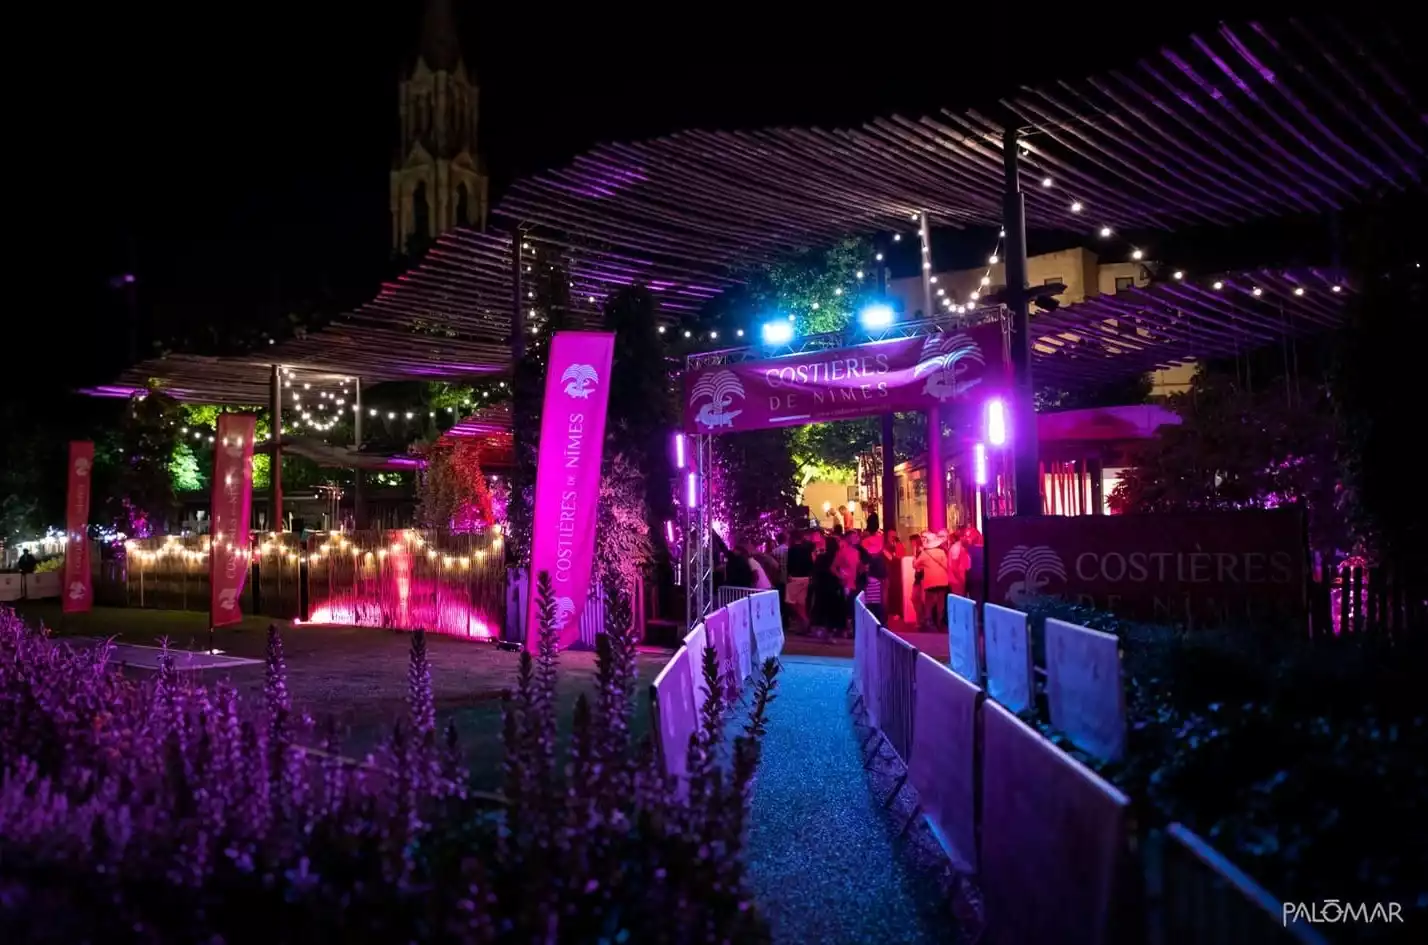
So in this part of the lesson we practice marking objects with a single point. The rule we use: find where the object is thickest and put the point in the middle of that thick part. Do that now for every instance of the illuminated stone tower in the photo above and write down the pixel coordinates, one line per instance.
(438, 181)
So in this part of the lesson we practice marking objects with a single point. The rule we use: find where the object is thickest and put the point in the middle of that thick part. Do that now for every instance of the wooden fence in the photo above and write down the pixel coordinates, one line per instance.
(1380, 601)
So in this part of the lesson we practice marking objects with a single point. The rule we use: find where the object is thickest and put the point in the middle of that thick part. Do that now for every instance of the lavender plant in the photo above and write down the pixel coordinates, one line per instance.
(163, 810)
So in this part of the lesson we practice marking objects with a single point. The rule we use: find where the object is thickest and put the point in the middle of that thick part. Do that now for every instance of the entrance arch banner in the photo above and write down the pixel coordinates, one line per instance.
(945, 369)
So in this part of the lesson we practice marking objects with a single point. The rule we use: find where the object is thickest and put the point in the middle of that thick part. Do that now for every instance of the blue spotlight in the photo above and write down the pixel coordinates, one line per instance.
(876, 317)
(778, 333)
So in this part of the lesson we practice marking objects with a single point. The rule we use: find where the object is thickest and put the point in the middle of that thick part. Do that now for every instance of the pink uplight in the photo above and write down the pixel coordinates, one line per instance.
(669, 531)
(996, 423)
(679, 451)
(692, 492)
(979, 463)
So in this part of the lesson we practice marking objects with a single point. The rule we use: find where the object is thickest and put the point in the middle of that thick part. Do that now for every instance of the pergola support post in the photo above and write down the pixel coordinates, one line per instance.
(359, 502)
(275, 438)
(1026, 472)
(936, 473)
(889, 474)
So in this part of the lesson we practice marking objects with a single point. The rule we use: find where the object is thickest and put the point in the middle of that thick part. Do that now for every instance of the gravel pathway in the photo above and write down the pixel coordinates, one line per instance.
(822, 855)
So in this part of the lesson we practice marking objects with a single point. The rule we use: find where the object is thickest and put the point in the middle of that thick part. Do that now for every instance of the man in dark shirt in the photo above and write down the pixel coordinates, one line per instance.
(800, 569)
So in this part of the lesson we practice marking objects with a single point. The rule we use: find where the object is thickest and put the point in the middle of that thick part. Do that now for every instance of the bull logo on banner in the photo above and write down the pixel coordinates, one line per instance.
(564, 610)
(227, 599)
(947, 358)
(1036, 565)
(77, 590)
(81, 467)
(580, 381)
(719, 388)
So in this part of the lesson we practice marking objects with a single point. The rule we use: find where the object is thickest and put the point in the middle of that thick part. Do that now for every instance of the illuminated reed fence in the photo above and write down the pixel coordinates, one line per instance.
(405, 579)
(166, 573)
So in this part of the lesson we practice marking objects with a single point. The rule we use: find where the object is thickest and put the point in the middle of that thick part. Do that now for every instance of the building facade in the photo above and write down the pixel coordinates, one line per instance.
(1079, 269)
(438, 179)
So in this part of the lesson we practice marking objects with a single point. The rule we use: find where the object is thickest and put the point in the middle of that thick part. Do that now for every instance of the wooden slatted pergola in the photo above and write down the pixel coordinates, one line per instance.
(1251, 122)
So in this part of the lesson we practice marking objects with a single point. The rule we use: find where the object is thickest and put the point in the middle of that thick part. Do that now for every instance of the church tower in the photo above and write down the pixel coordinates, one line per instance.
(438, 181)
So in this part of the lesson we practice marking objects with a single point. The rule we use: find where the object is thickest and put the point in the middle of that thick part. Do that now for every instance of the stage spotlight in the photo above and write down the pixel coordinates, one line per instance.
(778, 333)
(876, 317)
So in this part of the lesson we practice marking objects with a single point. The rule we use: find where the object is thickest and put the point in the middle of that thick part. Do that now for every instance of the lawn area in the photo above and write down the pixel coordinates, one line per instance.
(356, 674)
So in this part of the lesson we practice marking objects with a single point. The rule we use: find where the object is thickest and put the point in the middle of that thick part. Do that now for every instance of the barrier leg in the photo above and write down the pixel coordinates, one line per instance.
(868, 762)
(916, 813)
(897, 789)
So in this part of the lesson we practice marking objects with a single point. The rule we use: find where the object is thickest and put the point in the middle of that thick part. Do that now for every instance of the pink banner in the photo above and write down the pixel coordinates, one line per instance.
(232, 512)
(78, 585)
(572, 440)
(944, 369)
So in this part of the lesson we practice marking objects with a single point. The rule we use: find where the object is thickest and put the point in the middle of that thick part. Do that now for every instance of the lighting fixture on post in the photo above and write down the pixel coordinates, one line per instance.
(876, 317)
(679, 451)
(691, 492)
(778, 332)
(996, 422)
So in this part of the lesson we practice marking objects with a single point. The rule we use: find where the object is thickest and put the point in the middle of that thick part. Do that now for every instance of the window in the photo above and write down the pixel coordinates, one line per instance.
(1125, 282)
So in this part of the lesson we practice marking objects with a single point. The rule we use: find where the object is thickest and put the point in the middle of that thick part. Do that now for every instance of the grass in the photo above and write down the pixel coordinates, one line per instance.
(357, 675)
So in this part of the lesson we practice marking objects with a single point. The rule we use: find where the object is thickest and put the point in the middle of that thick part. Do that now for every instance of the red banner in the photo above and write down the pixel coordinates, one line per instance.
(572, 442)
(1191, 567)
(232, 513)
(945, 369)
(78, 583)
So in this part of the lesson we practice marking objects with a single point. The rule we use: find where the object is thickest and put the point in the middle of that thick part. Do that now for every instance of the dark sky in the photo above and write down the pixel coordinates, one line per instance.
(239, 155)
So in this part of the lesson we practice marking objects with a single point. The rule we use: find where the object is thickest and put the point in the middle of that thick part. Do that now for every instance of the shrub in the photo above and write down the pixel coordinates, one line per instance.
(175, 811)
(1304, 762)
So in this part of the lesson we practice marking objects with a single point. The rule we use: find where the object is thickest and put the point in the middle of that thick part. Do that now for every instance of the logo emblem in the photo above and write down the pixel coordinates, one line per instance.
(76, 590)
(233, 447)
(564, 610)
(227, 599)
(81, 466)
(947, 359)
(719, 388)
(580, 381)
(1036, 565)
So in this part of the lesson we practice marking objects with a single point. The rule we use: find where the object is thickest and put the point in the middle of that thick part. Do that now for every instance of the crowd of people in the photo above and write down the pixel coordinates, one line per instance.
(820, 572)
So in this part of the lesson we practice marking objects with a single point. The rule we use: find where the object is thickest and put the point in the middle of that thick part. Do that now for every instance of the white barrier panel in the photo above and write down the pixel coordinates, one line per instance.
(696, 640)
(1009, 672)
(41, 586)
(12, 587)
(675, 716)
(767, 620)
(741, 627)
(719, 632)
(943, 767)
(1054, 840)
(1084, 689)
(865, 658)
(962, 638)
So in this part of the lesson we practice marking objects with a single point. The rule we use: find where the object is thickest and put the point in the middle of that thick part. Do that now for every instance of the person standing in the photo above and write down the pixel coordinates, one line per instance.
(875, 572)
(797, 575)
(932, 567)
(873, 522)
(828, 612)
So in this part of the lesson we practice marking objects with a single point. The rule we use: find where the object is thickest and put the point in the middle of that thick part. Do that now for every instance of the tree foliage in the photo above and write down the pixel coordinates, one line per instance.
(623, 546)
(452, 491)
(643, 402)
(1241, 446)
(1378, 365)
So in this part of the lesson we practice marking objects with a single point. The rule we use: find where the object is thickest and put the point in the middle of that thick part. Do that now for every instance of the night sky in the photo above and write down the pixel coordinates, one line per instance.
(238, 160)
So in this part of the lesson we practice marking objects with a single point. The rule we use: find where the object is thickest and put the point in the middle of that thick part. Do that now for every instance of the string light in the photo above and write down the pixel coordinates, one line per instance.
(1177, 274)
(1299, 290)
(1105, 232)
(1137, 254)
(1218, 285)
(1076, 206)
(1046, 182)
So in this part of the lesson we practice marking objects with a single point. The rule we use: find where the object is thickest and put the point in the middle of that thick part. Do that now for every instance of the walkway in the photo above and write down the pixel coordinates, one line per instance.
(822, 856)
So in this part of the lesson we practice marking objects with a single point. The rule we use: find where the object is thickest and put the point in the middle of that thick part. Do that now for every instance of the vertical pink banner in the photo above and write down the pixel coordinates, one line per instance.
(78, 584)
(232, 512)
(567, 504)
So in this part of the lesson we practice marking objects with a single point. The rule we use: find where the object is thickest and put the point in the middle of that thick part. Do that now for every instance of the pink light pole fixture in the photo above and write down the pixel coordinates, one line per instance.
(679, 451)
(979, 463)
(691, 494)
(996, 423)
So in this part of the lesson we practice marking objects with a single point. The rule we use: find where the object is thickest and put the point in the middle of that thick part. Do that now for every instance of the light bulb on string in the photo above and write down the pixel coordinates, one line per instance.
(993, 259)
(1336, 289)
(897, 237)
(879, 257)
(1105, 232)
(1046, 182)
(1137, 254)
(1076, 206)
(1256, 291)
(1299, 290)
(1177, 274)
(1218, 285)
